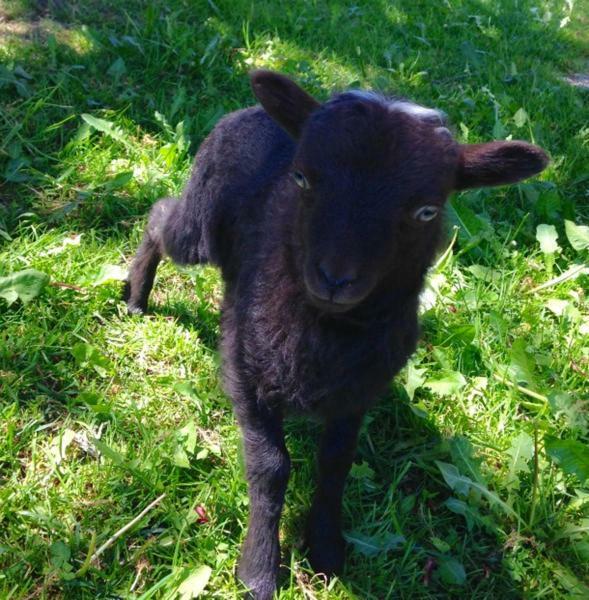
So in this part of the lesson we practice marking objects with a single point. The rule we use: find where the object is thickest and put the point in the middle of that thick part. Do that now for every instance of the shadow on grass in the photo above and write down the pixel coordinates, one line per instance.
(194, 68)
(395, 489)
(194, 316)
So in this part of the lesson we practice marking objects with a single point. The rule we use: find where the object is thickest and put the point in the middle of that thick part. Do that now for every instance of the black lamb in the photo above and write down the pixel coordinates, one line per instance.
(323, 219)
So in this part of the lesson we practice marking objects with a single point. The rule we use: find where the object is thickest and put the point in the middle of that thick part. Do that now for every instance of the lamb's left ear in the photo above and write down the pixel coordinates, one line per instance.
(287, 103)
(498, 163)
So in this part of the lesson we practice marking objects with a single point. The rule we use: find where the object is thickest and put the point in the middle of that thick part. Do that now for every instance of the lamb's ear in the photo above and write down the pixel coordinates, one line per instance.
(498, 163)
(288, 104)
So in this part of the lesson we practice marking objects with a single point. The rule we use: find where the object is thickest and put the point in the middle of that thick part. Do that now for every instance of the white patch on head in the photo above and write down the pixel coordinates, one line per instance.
(367, 95)
(415, 110)
(436, 117)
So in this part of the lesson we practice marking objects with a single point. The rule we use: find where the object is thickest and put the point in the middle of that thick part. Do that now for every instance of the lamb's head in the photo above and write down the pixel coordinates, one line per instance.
(372, 176)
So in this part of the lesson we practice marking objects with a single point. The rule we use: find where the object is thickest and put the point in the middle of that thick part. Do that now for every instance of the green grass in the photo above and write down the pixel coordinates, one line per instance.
(471, 476)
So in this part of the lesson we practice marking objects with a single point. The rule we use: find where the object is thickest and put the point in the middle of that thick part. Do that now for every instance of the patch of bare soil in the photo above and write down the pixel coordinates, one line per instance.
(43, 18)
(578, 80)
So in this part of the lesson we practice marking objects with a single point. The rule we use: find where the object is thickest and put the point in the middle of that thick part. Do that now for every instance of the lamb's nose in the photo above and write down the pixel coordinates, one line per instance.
(335, 281)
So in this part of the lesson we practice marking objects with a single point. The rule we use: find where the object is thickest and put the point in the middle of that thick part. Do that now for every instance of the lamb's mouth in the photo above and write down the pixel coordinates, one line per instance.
(330, 306)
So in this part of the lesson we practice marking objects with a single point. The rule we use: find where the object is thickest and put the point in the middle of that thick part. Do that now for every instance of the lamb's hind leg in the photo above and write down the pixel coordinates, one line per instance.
(150, 252)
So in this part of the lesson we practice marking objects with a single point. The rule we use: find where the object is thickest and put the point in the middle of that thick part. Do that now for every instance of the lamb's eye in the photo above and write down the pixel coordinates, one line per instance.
(426, 213)
(301, 180)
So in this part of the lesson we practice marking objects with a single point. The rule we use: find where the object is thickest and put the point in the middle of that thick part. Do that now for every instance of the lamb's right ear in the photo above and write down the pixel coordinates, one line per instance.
(498, 163)
(288, 104)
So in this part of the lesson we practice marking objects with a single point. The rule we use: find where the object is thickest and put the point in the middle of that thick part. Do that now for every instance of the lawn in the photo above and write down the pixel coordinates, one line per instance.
(472, 474)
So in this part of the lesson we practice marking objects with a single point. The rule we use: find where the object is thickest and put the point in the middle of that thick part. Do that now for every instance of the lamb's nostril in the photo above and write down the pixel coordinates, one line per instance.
(334, 282)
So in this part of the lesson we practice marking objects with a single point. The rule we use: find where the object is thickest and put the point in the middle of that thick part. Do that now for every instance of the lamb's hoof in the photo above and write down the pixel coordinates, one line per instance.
(260, 587)
(134, 309)
(326, 555)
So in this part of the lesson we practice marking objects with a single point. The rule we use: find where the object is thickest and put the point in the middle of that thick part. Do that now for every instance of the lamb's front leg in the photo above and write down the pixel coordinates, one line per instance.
(268, 467)
(324, 538)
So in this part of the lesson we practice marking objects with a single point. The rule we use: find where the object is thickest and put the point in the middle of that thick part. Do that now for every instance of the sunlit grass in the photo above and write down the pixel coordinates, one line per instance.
(100, 413)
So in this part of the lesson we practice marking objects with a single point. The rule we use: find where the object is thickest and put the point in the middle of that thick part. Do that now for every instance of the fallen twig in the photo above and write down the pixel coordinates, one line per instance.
(571, 273)
(69, 286)
(111, 540)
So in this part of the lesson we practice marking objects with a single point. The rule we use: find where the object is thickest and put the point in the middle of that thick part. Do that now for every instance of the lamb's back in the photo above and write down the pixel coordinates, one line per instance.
(228, 189)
